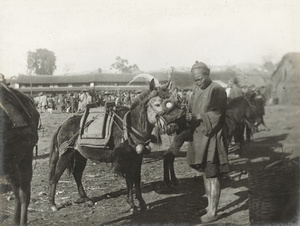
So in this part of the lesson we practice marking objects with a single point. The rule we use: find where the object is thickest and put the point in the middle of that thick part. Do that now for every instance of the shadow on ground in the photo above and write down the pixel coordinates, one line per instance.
(184, 205)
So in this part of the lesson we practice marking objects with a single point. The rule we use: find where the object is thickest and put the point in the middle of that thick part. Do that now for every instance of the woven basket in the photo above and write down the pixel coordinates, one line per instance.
(274, 192)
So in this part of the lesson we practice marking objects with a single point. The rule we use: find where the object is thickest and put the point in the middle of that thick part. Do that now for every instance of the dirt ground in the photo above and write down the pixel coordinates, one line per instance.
(177, 205)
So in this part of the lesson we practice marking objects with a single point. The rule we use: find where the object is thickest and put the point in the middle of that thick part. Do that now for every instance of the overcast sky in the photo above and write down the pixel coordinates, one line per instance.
(89, 34)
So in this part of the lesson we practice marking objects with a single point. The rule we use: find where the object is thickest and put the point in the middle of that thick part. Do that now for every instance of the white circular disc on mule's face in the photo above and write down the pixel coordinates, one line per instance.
(169, 105)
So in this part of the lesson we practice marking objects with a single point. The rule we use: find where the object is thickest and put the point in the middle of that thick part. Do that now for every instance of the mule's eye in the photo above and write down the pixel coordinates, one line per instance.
(157, 105)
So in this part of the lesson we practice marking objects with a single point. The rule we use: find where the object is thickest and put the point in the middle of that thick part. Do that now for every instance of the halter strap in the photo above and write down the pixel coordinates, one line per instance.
(129, 129)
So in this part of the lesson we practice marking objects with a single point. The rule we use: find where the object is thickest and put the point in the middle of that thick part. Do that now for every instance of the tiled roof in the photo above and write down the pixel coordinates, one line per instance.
(83, 78)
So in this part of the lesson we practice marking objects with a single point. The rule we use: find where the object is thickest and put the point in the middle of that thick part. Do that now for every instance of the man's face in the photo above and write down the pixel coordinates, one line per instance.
(201, 79)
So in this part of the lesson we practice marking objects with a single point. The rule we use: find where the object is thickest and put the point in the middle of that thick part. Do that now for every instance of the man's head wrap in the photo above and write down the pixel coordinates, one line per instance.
(200, 67)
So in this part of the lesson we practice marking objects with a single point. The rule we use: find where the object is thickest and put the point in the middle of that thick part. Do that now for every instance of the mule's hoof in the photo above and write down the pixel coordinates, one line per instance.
(175, 182)
(82, 200)
(89, 203)
(144, 207)
(208, 218)
(79, 201)
(202, 212)
(134, 210)
(54, 208)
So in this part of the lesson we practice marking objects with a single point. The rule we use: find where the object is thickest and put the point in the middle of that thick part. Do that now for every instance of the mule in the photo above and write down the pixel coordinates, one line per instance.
(130, 134)
(18, 137)
(249, 129)
(239, 110)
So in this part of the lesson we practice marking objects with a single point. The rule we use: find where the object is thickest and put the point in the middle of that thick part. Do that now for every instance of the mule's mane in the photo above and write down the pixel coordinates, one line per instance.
(140, 98)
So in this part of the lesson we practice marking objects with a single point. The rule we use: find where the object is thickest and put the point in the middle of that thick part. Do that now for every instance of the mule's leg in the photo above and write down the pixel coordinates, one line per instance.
(263, 123)
(166, 168)
(169, 169)
(79, 166)
(16, 189)
(138, 192)
(129, 183)
(248, 133)
(25, 167)
(62, 164)
(177, 142)
(172, 171)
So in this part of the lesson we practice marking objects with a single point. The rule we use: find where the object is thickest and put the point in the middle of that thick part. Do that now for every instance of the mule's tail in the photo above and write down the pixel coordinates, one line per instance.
(54, 153)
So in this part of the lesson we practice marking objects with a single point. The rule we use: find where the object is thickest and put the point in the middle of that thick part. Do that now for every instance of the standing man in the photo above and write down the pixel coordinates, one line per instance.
(207, 149)
(43, 102)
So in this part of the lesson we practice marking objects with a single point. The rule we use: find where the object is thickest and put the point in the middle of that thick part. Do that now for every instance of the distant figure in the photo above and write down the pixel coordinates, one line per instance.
(50, 101)
(2, 79)
(233, 89)
(176, 97)
(127, 99)
(72, 103)
(83, 100)
(43, 102)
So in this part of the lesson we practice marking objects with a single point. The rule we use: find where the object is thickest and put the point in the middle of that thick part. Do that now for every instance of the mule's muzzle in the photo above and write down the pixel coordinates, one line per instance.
(173, 116)
(172, 128)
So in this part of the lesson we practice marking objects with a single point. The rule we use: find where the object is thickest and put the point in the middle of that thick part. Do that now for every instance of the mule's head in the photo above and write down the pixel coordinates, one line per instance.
(153, 108)
(159, 107)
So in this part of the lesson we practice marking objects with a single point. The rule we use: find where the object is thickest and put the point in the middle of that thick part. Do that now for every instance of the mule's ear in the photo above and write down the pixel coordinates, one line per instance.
(252, 96)
(152, 84)
(167, 86)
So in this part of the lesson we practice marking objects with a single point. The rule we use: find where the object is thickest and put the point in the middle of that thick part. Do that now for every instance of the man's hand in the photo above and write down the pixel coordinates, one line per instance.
(192, 117)
(189, 117)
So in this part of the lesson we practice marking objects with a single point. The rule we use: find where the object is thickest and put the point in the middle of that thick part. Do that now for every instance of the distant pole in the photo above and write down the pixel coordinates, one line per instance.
(31, 83)
(30, 86)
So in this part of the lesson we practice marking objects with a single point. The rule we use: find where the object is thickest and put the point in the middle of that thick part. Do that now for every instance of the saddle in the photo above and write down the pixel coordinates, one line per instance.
(95, 126)
(13, 107)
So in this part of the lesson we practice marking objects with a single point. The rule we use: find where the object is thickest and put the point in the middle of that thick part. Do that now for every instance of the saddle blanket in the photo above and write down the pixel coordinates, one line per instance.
(95, 126)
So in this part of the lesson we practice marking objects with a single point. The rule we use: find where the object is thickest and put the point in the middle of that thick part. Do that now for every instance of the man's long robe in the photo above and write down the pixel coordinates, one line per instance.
(207, 134)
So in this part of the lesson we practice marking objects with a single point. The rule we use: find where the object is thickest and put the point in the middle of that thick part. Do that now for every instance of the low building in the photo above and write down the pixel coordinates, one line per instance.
(34, 84)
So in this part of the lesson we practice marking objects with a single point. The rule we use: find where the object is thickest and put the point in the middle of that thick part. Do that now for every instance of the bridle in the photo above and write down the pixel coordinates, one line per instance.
(130, 132)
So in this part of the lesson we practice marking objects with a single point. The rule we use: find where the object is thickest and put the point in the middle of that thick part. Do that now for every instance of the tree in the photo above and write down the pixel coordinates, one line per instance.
(41, 62)
(121, 66)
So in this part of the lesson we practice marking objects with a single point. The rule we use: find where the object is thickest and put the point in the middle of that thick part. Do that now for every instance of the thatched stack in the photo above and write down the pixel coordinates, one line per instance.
(285, 80)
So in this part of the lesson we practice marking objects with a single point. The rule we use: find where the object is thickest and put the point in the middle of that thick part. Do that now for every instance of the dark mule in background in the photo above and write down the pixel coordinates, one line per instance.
(18, 137)
(239, 110)
(247, 128)
(130, 134)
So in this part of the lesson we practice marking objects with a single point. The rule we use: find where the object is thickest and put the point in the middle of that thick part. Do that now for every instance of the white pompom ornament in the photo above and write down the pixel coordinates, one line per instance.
(169, 105)
(139, 149)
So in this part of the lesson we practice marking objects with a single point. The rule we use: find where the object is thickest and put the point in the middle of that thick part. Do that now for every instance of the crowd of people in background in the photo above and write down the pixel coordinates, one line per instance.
(76, 102)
